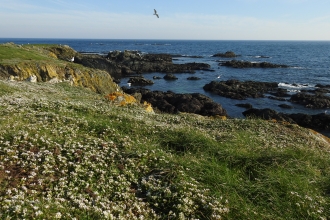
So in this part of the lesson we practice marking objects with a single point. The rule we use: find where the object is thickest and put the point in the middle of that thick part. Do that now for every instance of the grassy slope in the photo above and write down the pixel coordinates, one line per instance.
(12, 53)
(67, 152)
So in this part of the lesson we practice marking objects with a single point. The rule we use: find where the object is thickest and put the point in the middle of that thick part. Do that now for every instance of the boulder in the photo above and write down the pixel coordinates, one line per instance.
(140, 80)
(170, 76)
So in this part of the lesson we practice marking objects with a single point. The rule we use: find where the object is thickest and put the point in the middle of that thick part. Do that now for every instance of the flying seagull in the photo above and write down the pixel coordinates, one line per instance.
(156, 13)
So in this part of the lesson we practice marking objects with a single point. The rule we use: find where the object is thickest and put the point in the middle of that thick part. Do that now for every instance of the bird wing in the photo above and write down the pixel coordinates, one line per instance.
(157, 15)
(155, 11)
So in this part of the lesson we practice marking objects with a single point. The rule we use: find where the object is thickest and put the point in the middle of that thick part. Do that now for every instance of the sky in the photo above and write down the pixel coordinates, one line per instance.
(178, 19)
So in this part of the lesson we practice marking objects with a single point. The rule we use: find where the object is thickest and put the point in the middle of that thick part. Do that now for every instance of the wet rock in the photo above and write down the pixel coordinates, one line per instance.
(170, 76)
(156, 77)
(248, 64)
(240, 90)
(140, 80)
(286, 106)
(170, 102)
(228, 54)
(277, 98)
(280, 92)
(322, 86)
(193, 78)
(244, 105)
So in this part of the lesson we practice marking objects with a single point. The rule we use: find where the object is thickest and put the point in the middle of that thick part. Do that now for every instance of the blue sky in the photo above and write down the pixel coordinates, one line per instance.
(179, 19)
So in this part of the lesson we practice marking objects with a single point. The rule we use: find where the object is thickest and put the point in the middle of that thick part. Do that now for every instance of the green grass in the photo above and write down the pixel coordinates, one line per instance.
(6, 89)
(15, 53)
(67, 153)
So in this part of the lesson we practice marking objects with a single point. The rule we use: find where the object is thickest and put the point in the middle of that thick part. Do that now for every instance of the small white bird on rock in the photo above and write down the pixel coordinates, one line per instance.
(72, 59)
(156, 13)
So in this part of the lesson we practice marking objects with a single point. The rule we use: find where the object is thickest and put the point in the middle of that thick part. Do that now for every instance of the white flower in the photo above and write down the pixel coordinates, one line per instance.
(58, 215)
(38, 213)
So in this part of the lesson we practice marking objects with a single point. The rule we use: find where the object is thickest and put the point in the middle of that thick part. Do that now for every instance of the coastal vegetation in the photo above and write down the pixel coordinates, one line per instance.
(68, 152)
(81, 151)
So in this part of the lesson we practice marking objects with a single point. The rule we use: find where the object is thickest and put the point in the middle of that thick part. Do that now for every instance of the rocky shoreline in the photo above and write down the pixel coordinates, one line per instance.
(119, 64)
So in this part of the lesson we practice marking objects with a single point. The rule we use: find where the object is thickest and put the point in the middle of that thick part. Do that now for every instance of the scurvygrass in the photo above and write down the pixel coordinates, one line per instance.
(70, 153)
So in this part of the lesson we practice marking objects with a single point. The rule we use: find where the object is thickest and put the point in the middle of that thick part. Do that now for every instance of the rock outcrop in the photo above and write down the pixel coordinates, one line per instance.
(120, 64)
(52, 63)
(193, 78)
(140, 80)
(170, 102)
(240, 90)
(170, 76)
(319, 122)
(311, 101)
(228, 54)
(248, 64)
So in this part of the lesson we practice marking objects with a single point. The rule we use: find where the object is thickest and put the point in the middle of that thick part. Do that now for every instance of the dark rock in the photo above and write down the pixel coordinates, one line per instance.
(320, 122)
(228, 54)
(321, 91)
(193, 78)
(248, 64)
(244, 105)
(322, 86)
(140, 80)
(311, 101)
(240, 90)
(170, 102)
(120, 64)
(267, 114)
(170, 76)
(317, 122)
(277, 98)
(281, 93)
(156, 77)
(285, 106)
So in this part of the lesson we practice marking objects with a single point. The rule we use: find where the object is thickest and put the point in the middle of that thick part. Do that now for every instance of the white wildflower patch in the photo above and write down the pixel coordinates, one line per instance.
(58, 165)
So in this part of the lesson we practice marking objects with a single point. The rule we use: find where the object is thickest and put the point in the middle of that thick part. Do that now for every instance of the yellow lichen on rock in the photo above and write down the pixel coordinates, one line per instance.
(121, 99)
(148, 107)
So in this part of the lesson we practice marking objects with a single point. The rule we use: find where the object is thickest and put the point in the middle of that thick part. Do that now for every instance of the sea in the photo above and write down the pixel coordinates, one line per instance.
(309, 63)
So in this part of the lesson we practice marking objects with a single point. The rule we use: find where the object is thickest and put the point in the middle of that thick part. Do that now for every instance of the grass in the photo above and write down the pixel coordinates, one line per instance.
(15, 53)
(69, 153)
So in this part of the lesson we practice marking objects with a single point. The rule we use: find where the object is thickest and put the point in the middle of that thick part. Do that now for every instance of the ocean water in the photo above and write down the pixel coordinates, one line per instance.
(309, 63)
